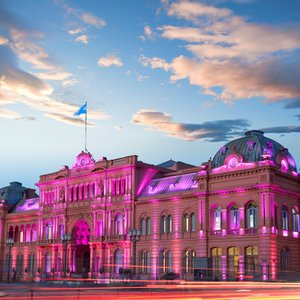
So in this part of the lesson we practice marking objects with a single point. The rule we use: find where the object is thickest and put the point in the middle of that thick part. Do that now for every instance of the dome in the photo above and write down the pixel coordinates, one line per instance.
(254, 147)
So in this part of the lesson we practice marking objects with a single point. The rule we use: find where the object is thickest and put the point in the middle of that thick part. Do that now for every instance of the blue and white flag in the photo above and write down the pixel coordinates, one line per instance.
(81, 110)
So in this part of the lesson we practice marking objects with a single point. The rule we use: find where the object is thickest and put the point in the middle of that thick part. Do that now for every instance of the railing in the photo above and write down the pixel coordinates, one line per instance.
(250, 230)
(233, 231)
(115, 238)
(216, 232)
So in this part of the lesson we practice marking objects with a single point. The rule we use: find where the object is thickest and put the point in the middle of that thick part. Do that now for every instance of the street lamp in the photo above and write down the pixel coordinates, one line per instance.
(66, 239)
(135, 236)
(9, 243)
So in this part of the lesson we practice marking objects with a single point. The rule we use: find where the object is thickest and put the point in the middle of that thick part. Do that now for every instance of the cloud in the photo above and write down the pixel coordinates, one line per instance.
(8, 114)
(68, 120)
(154, 63)
(3, 40)
(241, 59)
(194, 10)
(281, 129)
(82, 39)
(110, 60)
(148, 33)
(92, 20)
(215, 131)
(270, 79)
(20, 86)
(75, 31)
(54, 76)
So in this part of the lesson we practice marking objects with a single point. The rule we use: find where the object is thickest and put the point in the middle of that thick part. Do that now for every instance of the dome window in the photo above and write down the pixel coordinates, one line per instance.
(284, 165)
(223, 150)
(251, 145)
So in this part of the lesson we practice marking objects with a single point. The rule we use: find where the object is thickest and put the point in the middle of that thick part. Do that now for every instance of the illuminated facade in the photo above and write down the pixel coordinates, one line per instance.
(235, 217)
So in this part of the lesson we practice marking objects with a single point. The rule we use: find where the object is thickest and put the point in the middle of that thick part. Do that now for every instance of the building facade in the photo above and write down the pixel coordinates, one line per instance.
(235, 217)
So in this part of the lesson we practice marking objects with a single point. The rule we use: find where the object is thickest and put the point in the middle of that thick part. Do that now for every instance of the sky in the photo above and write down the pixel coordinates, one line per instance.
(162, 79)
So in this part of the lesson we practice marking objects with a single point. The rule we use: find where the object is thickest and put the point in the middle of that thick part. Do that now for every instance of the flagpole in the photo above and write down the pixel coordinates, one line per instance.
(85, 129)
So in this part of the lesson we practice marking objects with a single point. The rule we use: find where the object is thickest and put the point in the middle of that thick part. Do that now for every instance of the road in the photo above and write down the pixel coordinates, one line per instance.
(180, 290)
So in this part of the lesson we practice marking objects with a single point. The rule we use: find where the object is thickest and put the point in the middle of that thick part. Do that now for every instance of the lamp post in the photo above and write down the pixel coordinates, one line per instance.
(66, 239)
(135, 236)
(9, 243)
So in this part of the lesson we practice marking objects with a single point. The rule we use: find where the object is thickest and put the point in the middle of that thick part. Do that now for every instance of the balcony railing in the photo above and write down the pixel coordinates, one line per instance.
(216, 232)
(250, 230)
(233, 231)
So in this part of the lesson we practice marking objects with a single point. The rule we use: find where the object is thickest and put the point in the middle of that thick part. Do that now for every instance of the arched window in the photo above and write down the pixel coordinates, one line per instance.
(148, 226)
(233, 262)
(216, 255)
(11, 232)
(34, 233)
(28, 233)
(275, 216)
(118, 260)
(163, 227)
(234, 218)
(119, 224)
(284, 216)
(217, 218)
(285, 259)
(61, 231)
(251, 262)
(48, 262)
(21, 234)
(169, 224)
(186, 223)
(169, 261)
(143, 226)
(189, 256)
(48, 230)
(145, 262)
(16, 237)
(295, 219)
(193, 222)
(251, 215)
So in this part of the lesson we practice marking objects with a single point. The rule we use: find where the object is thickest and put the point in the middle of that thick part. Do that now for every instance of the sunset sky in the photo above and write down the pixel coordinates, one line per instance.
(163, 79)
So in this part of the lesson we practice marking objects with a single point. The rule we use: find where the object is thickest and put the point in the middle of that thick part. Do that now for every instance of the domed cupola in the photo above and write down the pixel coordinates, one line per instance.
(251, 148)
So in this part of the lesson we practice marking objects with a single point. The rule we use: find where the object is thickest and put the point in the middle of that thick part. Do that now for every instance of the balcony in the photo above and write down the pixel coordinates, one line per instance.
(216, 232)
(233, 231)
(115, 238)
(250, 230)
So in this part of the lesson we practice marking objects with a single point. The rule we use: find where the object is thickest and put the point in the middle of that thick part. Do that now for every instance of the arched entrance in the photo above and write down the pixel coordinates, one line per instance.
(81, 237)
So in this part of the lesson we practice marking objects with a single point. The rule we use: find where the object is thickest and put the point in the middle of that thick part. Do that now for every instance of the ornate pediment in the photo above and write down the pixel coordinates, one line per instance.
(84, 159)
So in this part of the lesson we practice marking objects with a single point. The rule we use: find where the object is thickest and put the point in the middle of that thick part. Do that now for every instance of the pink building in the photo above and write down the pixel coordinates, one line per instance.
(235, 217)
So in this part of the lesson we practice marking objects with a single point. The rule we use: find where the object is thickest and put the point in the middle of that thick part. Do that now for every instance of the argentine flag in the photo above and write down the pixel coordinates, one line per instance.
(81, 110)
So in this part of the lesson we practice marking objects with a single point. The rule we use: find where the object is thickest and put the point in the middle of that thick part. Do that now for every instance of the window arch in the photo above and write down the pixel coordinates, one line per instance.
(285, 257)
(216, 255)
(295, 219)
(163, 223)
(234, 217)
(143, 226)
(217, 218)
(119, 224)
(166, 258)
(145, 262)
(233, 262)
(188, 261)
(284, 218)
(28, 233)
(186, 222)
(148, 226)
(34, 233)
(169, 224)
(251, 261)
(22, 231)
(118, 260)
(251, 215)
